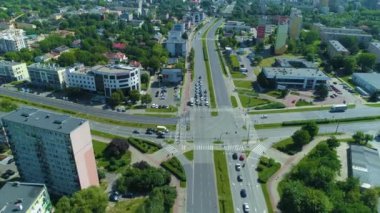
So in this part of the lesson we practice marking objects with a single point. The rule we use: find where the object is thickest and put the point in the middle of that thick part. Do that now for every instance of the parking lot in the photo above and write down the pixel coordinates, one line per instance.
(165, 94)
(8, 169)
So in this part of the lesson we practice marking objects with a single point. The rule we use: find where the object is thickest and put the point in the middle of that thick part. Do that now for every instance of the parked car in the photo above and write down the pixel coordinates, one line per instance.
(238, 167)
(243, 193)
(157, 94)
(240, 178)
(161, 136)
(136, 132)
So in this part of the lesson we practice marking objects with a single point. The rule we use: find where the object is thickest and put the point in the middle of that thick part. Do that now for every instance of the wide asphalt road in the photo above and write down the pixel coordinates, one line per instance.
(88, 109)
(221, 94)
(358, 111)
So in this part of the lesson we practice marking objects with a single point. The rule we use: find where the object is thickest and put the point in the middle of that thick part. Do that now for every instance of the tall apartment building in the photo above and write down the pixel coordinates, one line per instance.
(24, 197)
(53, 149)
(47, 75)
(12, 40)
(295, 23)
(13, 71)
(108, 79)
(281, 37)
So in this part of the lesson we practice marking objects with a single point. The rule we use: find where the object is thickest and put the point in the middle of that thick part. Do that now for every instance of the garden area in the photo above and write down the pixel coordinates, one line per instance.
(175, 167)
(266, 168)
(113, 157)
(144, 146)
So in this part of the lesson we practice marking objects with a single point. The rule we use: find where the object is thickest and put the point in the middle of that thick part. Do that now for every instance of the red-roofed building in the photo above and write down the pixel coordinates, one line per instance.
(119, 45)
(116, 57)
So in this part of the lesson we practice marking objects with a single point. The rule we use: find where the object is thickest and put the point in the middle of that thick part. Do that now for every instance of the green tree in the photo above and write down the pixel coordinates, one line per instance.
(92, 199)
(310, 36)
(358, 137)
(117, 98)
(146, 99)
(321, 91)
(316, 201)
(67, 59)
(134, 96)
(312, 128)
(370, 198)
(292, 197)
(301, 138)
(366, 61)
(374, 97)
(351, 43)
(332, 142)
(337, 62)
(144, 78)
(184, 36)
(349, 65)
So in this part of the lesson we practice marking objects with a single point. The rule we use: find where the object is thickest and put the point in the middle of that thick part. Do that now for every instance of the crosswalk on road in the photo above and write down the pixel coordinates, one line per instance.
(259, 149)
(219, 147)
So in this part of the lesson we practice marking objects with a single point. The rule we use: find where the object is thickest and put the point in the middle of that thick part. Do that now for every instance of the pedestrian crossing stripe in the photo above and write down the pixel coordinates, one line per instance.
(259, 149)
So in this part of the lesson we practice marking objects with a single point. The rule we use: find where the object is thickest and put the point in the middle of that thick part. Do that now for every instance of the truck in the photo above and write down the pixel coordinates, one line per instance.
(338, 108)
(162, 129)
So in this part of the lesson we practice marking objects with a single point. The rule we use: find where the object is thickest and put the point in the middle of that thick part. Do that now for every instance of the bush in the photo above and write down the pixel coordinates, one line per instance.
(144, 146)
(274, 105)
(116, 148)
(174, 166)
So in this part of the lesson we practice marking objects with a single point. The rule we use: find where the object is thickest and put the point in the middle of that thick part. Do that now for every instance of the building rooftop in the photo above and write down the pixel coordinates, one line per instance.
(44, 119)
(9, 63)
(365, 165)
(376, 44)
(113, 69)
(16, 194)
(294, 62)
(282, 72)
(337, 46)
(51, 67)
(371, 78)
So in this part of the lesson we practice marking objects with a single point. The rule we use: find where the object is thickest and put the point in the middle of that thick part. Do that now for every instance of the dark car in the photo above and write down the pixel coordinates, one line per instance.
(240, 178)
(157, 93)
(243, 193)
(234, 156)
(149, 132)
(241, 158)
(136, 132)
(160, 136)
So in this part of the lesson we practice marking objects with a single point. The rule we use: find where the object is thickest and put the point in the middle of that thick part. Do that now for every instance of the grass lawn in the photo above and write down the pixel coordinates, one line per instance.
(189, 155)
(238, 75)
(348, 80)
(302, 102)
(248, 101)
(374, 105)
(266, 168)
(274, 93)
(271, 105)
(128, 206)
(144, 86)
(287, 146)
(223, 182)
(234, 101)
(7, 105)
(290, 110)
(170, 109)
(243, 84)
(110, 164)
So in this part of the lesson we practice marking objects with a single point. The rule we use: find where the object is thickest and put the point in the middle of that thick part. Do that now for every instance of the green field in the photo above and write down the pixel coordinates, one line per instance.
(243, 84)
(238, 75)
(234, 101)
(249, 101)
(302, 102)
(223, 182)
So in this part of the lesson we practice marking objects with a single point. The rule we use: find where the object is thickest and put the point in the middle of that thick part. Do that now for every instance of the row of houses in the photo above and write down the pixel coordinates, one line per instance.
(103, 79)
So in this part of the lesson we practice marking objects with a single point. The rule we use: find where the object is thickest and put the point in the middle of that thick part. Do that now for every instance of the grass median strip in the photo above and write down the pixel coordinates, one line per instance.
(208, 71)
(223, 182)
(83, 115)
(234, 102)
(304, 109)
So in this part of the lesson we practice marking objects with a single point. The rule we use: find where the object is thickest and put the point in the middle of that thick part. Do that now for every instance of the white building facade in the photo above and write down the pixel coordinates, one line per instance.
(47, 75)
(13, 71)
(12, 40)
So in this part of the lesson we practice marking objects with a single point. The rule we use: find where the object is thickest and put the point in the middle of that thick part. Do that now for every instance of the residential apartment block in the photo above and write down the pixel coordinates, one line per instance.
(281, 37)
(12, 40)
(13, 71)
(53, 149)
(295, 23)
(335, 48)
(301, 78)
(331, 33)
(374, 47)
(47, 75)
(24, 197)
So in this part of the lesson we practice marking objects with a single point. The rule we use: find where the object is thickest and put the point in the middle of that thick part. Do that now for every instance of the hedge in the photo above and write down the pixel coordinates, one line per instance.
(174, 166)
(144, 146)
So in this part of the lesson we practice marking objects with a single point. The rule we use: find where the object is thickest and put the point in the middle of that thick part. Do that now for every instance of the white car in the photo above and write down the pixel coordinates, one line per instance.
(245, 207)
(238, 167)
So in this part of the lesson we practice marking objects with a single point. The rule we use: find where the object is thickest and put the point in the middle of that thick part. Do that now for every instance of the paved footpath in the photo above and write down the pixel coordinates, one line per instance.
(288, 165)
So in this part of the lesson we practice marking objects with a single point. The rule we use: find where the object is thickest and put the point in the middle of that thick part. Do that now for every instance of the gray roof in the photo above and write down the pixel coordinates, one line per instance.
(9, 63)
(12, 192)
(337, 46)
(44, 120)
(289, 73)
(287, 62)
(371, 78)
(365, 165)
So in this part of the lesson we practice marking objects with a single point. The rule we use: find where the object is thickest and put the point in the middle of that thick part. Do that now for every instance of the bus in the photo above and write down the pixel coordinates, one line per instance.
(162, 129)
(338, 108)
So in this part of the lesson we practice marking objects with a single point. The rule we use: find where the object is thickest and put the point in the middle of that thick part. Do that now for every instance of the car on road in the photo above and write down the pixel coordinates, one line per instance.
(243, 193)
(331, 96)
(240, 178)
(245, 207)
(136, 132)
(241, 158)
(161, 136)
(235, 156)
(238, 167)
(264, 116)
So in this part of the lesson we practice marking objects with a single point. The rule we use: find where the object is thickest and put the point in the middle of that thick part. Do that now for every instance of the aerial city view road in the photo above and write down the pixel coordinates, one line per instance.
(189, 106)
